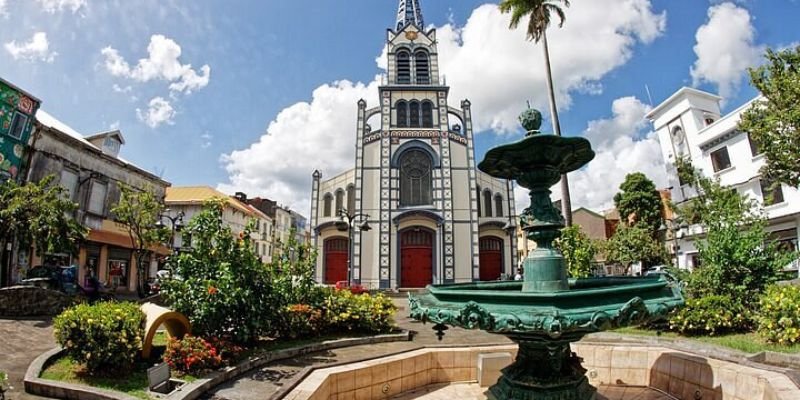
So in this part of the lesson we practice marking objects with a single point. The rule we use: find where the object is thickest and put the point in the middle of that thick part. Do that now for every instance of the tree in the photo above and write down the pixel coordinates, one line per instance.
(578, 250)
(773, 122)
(538, 12)
(138, 211)
(638, 202)
(632, 244)
(38, 214)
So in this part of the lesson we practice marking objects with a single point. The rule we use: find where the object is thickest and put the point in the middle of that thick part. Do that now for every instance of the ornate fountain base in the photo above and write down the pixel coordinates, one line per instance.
(546, 370)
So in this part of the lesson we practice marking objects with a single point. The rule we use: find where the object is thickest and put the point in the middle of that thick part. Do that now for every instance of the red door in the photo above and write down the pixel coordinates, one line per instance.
(416, 258)
(491, 258)
(335, 260)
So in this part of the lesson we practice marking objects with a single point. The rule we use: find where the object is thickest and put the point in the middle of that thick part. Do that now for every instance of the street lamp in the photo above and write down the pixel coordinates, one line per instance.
(347, 223)
(176, 224)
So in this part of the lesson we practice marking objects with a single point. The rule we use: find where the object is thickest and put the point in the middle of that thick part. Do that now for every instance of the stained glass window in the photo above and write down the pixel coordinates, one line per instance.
(415, 178)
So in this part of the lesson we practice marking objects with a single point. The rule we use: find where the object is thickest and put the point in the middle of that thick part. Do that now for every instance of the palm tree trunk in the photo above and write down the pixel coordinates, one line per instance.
(566, 204)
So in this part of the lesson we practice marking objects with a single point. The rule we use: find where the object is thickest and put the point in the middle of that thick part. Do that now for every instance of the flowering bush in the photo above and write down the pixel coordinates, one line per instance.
(345, 311)
(191, 354)
(710, 315)
(301, 320)
(102, 335)
(226, 349)
(779, 319)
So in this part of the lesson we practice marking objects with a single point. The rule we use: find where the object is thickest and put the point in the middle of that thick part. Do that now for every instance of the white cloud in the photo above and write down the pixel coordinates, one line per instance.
(51, 6)
(622, 145)
(3, 10)
(162, 63)
(36, 49)
(120, 89)
(725, 48)
(114, 126)
(159, 112)
(206, 140)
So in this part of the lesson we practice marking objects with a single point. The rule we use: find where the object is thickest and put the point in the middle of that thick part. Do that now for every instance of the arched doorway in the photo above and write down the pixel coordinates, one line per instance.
(335, 260)
(416, 258)
(491, 258)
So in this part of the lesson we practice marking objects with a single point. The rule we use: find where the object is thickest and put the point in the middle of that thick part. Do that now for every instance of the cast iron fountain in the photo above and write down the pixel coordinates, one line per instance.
(546, 311)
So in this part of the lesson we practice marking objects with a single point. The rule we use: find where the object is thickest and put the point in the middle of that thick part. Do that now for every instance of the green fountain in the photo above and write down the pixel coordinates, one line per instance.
(546, 311)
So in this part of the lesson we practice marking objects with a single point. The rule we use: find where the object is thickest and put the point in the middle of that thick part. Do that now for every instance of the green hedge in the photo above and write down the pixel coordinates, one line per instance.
(709, 316)
(105, 335)
(779, 319)
(345, 311)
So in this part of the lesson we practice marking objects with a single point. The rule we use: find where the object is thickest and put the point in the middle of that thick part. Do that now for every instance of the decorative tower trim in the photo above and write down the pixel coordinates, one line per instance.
(409, 12)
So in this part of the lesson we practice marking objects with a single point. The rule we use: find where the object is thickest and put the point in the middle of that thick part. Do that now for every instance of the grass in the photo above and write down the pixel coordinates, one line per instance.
(65, 369)
(747, 342)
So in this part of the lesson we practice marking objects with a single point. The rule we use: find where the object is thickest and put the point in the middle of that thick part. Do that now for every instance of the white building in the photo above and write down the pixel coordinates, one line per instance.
(689, 125)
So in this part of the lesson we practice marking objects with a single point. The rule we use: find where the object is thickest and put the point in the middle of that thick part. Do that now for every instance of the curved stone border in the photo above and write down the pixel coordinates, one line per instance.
(63, 390)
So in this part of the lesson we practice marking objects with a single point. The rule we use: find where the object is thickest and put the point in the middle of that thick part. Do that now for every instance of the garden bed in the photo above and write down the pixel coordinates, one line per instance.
(745, 342)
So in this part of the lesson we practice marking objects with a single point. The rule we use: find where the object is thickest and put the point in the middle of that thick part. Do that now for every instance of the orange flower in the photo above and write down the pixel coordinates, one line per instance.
(212, 290)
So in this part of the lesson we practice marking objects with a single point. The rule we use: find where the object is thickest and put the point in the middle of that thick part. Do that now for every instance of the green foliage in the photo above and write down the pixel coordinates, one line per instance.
(538, 12)
(779, 316)
(221, 285)
(345, 311)
(38, 213)
(191, 355)
(639, 203)
(631, 244)
(105, 335)
(138, 212)
(301, 321)
(3, 381)
(709, 316)
(774, 121)
(578, 250)
(292, 270)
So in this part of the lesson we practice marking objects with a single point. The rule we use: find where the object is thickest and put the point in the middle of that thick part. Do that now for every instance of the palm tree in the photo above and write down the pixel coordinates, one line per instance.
(539, 12)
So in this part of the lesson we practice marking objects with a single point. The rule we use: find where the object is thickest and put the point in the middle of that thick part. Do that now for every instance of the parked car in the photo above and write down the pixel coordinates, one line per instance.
(355, 289)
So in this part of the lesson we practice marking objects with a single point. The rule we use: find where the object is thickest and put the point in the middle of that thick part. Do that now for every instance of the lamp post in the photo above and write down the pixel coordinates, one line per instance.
(176, 225)
(347, 222)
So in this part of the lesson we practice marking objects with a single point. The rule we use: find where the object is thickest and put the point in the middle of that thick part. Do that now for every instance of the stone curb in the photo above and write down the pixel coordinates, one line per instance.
(63, 390)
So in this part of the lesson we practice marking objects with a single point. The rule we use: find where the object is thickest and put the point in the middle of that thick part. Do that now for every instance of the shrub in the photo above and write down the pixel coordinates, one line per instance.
(779, 319)
(345, 311)
(226, 348)
(191, 354)
(102, 335)
(710, 315)
(301, 320)
(3, 381)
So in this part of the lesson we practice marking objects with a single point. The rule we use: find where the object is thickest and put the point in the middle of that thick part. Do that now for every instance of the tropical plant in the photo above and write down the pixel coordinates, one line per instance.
(138, 211)
(638, 202)
(779, 314)
(773, 121)
(191, 354)
(709, 316)
(632, 244)
(345, 312)
(538, 20)
(578, 250)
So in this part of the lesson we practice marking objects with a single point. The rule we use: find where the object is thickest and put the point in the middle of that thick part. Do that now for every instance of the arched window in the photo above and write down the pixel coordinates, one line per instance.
(403, 67)
(413, 114)
(498, 206)
(422, 67)
(339, 200)
(327, 206)
(487, 204)
(478, 197)
(402, 114)
(427, 114)
(416, 187)
(351, 199)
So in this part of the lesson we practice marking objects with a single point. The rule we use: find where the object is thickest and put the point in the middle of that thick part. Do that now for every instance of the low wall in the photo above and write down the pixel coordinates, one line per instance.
(27, 301)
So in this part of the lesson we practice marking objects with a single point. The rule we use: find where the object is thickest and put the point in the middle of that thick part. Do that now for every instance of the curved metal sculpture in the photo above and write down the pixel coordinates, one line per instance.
(546, 311)
(176, 324)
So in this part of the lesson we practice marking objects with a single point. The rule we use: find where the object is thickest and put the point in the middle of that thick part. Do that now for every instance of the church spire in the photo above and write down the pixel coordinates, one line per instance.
(409, 12)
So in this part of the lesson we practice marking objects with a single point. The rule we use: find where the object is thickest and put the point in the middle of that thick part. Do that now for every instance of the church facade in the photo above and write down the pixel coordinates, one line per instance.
(431, 216)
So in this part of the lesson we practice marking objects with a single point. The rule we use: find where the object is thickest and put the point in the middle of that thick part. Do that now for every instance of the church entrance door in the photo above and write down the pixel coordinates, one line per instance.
(416, 258)
(491, 258)
(335, 260)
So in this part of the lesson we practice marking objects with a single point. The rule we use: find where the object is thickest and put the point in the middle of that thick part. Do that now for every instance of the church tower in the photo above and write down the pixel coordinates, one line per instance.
(415, 176)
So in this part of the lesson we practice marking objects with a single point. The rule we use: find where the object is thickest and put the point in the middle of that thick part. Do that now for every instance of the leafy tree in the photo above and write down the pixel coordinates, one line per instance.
(538, 16)
(774, 121)
(138, 211)
(578, 250)
(638, 202)
(221, 285)
(631, 244)
(292, 267)
(39, 214)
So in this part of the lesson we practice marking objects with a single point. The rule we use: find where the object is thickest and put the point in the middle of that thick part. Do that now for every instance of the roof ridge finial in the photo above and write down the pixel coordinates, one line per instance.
(409, 12)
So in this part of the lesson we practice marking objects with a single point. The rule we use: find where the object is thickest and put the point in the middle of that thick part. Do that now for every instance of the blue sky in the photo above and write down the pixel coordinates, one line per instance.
(264, 92)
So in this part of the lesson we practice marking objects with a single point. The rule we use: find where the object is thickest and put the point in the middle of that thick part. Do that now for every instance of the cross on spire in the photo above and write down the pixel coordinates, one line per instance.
(409, 12)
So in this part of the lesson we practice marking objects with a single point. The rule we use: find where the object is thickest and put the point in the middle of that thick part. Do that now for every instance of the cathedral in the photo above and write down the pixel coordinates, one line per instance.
(414, 210)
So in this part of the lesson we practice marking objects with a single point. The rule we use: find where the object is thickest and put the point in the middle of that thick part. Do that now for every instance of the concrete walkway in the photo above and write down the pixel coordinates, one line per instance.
(21, 341)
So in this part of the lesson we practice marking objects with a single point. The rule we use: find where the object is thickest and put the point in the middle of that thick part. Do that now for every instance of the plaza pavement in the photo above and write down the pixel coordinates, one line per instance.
(21, 341)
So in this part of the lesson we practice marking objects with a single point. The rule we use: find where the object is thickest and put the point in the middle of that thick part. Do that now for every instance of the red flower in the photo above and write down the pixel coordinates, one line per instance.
(212, 290)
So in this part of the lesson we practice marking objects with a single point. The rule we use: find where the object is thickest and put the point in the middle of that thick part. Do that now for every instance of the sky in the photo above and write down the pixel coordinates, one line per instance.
(253, 96)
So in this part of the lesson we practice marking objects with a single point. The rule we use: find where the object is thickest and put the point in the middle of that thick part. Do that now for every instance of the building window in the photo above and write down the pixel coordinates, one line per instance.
(403, 67)
(478, 198)
(427, 114)
(339, 200)
(422, 68)
(498, 206)
(326, 207)
(487, 204)
(771, 192)
(18, 125)
(69, 181)
(415, 178)
(97, 199)
(720, 159)
(351, 199)
(754, 150)
(413, 114)
(402, 114)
